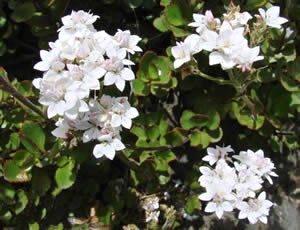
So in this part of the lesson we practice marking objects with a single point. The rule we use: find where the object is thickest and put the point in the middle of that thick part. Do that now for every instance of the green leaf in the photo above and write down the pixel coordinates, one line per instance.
(200, 139)
(179, 32)
(22, 201)
(34, 226)
(34, 133)
(192, 204)
(165, 156)
(161, 24)
(295, 69)
(175, 137)
(153, 132)
(7, 193)
(215, 135)
(165, 2)
(5, 215)
(23, 12)
(254, 4)
(190, 120)
(14, 141)
(246, 118)
(41, 182)
(214, 120)
(290, 84)
(153, 71)
(140, 88)
(56, 227)
(65, 176)
(139, 132)
(174, 15)
(13, 173)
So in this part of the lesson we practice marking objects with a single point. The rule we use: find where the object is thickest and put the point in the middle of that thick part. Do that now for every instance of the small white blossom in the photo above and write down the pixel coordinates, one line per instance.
(215, 154)
(255, 209)
(203, 22)
(271, 17)
(108, 148)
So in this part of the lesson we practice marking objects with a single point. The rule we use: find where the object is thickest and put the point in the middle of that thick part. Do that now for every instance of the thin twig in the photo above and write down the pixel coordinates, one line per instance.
(211, 78)
(9, 88)
(129, 163)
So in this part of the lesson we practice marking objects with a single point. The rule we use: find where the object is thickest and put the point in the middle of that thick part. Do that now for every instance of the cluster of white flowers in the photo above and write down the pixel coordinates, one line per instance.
(151, 207)
(73, 68)
(237, 187)
(225, 40)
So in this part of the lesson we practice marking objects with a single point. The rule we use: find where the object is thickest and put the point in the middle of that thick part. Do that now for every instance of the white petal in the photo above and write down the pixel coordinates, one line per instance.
(110, 78)
(104, 149)
(116, 120)
(120, 83)
(219, 212)
(51, 111)
(132, 113)
(263, 219)
(127, 74)
(243, 215)
(210, 207)
(126, 122)
(205, 196)
(117, 144)
(41, 66)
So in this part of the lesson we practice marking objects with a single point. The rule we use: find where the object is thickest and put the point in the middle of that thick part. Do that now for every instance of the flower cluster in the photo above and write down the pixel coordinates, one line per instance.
(73, 68)
(226, 40)
(236, 187)
(151, 207)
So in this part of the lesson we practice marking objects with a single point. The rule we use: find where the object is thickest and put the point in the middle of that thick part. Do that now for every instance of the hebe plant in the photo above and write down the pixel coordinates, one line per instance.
(99, 142)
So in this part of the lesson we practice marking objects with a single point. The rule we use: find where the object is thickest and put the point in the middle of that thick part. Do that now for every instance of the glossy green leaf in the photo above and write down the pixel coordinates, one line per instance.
(140, 88)
(254, 4)
(175, 137)
(22, 201)
(192, 204)
(200, 139)
(23, 12)
(65, 176)
(165, 2)
(190, 120)
(290, 84)
(34, 134)
(14, 173)
(174, 15)
(161, 24)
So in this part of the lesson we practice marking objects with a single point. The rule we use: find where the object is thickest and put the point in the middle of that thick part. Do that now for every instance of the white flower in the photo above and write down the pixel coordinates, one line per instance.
(255, 209)
(271, 17)
(123, 113)
(50, 59)
(228, 43)
(116, 72)
(182, 53)
(220, 194)
(246, 57)
(215, 154)
(203, 22)
(77, 25)
(259, 164)
(127, 41)
(238, 19)
(108, 149)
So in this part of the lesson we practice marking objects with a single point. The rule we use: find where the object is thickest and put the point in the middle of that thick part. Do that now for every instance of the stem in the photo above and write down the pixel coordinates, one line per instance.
(132, 165)
(211, 78)
(9, 88)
